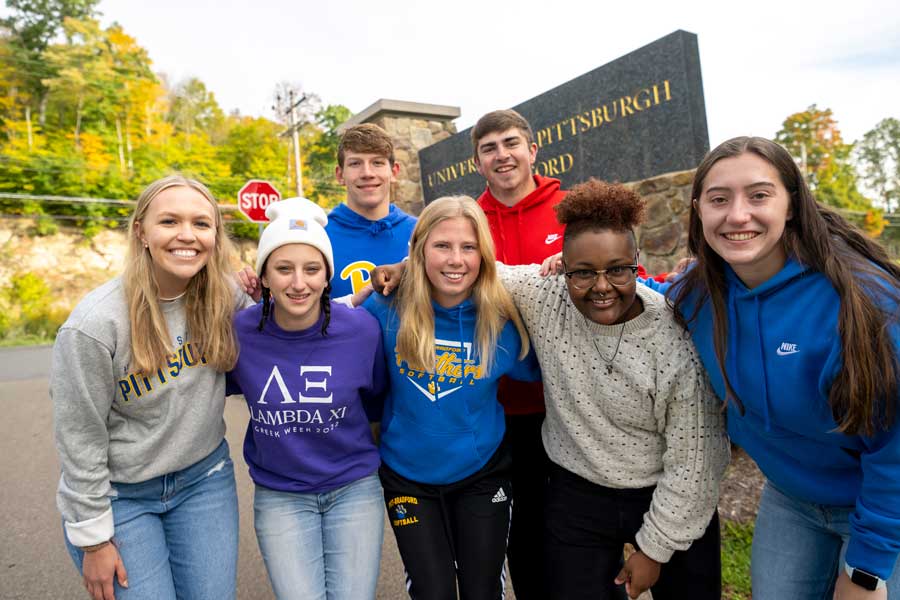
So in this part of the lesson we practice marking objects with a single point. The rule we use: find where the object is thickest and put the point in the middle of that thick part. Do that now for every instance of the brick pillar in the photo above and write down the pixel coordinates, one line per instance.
(412, 126)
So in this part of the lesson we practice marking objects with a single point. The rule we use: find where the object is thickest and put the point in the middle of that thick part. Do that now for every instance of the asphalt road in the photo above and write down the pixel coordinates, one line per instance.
(33, 560)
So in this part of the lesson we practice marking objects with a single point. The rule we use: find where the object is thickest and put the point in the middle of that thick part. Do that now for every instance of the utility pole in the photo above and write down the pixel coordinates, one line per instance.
(293, 131)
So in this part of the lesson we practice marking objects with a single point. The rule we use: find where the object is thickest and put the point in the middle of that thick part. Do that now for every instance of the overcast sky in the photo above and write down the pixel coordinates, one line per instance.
(761, 59)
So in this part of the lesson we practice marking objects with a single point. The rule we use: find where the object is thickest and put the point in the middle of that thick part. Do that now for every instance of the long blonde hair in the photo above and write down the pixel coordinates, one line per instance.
(494, 306)
(209, 299)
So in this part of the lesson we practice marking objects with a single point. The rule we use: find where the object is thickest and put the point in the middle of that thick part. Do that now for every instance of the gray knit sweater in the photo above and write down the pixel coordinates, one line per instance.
(652, 421)
(115, 425)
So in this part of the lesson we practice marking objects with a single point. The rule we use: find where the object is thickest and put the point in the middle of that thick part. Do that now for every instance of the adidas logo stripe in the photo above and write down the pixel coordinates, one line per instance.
(500, 496)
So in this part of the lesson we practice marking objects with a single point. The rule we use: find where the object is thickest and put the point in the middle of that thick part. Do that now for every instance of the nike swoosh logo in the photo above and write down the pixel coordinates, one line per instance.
(781, 352)
(552, 237)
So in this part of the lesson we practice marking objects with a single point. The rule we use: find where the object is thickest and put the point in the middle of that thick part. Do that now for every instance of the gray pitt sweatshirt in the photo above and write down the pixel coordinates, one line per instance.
(115, 425)
(652, 421)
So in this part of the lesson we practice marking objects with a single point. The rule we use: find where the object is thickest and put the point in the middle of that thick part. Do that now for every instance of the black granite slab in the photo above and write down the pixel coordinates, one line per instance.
(638, 116)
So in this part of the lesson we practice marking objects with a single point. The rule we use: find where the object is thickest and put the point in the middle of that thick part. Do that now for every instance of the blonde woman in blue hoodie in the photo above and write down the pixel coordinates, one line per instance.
(449, 333)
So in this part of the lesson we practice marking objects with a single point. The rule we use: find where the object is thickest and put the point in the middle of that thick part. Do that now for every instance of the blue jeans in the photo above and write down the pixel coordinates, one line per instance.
(322, 546)
(178, 533)
(798, 548)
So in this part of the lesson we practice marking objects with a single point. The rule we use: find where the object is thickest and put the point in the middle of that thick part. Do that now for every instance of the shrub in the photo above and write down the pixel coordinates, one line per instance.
(27, 315)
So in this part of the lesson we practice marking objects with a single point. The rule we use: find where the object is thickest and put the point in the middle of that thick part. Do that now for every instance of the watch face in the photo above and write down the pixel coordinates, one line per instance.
(864, 580)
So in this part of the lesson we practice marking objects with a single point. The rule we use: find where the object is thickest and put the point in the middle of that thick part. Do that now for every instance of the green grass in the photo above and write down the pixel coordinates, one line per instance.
(736, 541)
(25, 340)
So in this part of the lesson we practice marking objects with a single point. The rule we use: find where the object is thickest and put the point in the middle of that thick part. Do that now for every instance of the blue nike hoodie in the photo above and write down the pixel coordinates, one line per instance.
(360, 245)
(784, 352)
(440, 428)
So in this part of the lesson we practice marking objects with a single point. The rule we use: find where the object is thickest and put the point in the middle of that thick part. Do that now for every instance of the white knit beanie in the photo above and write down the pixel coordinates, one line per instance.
(294, 221)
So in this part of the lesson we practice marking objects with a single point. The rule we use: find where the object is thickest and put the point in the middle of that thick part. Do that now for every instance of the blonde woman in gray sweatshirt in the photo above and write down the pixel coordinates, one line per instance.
(147, 491)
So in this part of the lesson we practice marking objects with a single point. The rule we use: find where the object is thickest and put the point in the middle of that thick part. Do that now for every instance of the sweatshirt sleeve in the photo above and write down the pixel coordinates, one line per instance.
(697, 453)
(373, 398)
(526, 369)
(655, 285)
(519, 279)
(875, 523)
(82, 389)
(232, 385)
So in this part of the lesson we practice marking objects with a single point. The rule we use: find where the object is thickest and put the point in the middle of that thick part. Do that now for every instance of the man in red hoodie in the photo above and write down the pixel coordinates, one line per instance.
(520, 210)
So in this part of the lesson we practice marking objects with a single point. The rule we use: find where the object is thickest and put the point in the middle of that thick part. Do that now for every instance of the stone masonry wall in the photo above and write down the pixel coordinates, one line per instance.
(663, 236)
(411, 135)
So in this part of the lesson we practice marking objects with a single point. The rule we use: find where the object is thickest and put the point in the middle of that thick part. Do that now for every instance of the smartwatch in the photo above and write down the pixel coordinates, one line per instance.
(864, 579)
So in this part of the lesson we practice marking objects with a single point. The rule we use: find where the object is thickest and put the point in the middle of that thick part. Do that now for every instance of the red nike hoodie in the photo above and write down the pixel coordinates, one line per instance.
(524, 233)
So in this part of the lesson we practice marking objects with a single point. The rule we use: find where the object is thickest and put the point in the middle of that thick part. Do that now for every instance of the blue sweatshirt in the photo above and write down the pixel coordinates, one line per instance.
(783, 354)
(360, 245)
(309, 430)
(440, 428)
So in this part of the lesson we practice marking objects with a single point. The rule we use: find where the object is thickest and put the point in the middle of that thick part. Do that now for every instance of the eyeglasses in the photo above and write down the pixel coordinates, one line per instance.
(582, 279)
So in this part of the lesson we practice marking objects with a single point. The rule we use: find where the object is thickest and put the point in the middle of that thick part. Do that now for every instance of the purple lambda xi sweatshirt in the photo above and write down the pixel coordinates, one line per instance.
(311, 398)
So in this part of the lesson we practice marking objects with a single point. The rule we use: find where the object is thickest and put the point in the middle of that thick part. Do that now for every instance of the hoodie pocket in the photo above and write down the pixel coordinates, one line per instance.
(429, 456)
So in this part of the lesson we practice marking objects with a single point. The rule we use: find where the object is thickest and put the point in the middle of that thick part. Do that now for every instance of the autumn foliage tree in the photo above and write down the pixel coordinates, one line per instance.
(815, 141)
(813, 136)
(111, 124)
(878, 156)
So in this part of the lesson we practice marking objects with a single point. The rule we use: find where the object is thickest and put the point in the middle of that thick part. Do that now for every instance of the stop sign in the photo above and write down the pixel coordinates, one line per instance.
(254, 197)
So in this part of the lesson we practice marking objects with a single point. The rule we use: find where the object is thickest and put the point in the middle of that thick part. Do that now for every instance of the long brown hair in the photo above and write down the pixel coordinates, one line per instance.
(209, 300)
(494, 305)
(863, 396)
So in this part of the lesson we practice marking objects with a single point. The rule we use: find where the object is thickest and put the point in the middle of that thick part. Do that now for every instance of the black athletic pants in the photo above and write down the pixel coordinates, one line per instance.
(452, 534)
(587, 525)
(530, 469)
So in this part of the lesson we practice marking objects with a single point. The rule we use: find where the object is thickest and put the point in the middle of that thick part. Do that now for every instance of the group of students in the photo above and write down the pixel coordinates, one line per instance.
(547, 414)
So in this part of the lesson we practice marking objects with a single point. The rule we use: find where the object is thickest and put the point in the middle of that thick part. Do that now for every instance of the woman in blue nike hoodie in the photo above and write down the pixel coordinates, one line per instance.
(449, 333)
(795, 315)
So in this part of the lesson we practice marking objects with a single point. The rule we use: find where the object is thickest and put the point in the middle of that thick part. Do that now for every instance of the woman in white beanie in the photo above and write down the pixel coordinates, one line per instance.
(312, 372)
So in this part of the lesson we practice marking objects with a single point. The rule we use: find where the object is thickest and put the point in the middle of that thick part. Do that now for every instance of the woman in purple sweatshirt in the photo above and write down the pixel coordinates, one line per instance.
(312, 372)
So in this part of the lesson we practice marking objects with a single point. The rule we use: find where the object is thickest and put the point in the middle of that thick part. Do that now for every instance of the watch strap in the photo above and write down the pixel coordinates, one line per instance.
(864, 579)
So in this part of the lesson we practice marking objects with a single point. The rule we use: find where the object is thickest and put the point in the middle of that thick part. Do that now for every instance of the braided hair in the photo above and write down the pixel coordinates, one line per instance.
(325, 301)
(266, 307)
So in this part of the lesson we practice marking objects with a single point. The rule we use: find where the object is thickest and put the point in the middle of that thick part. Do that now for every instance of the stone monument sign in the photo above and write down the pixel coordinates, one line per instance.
(638, 116)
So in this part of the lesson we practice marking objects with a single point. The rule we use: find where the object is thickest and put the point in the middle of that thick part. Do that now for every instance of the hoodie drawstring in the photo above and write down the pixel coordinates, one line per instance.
(762, 362)
(462, 361)
(462, 345)
(502, 244)
(519, 232)
(733, 369)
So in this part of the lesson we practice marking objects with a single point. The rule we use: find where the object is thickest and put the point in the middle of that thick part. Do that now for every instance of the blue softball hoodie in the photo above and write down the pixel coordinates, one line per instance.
(441, 427)
(783, 353)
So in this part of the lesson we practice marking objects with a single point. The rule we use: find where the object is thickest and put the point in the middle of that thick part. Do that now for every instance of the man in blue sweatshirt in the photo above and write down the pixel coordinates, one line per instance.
(367, 230)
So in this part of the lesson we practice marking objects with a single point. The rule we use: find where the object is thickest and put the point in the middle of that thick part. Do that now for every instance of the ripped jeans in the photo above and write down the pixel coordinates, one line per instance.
(178, 533)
